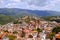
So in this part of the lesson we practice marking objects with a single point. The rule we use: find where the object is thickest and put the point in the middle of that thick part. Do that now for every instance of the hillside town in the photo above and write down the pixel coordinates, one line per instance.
(29, 28)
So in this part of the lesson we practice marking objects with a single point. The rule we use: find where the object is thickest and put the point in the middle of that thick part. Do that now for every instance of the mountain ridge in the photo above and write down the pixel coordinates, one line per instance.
(20, 12)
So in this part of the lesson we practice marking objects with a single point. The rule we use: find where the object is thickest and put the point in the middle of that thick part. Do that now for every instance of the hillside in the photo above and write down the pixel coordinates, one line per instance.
(15, 12)
(5, 19)
(8, 14)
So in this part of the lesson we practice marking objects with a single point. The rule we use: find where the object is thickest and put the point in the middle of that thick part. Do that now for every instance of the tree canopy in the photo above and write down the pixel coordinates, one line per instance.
(5, 19)
(56, 30)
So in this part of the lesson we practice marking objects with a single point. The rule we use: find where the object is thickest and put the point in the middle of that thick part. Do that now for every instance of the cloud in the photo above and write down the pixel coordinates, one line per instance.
(37, 3)
(31, 4)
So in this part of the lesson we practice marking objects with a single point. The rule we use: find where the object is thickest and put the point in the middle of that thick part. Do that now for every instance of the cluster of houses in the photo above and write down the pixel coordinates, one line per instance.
(27, 31)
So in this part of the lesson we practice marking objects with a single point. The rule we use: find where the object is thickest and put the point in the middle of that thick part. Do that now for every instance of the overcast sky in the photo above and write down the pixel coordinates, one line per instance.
(53, 5)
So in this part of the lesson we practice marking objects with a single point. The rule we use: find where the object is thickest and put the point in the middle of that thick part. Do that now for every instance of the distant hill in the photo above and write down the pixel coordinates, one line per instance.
(15, 12)
(5, 19)
(7, 14)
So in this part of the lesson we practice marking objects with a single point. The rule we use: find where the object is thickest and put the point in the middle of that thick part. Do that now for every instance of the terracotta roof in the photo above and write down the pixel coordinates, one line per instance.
(57, 36)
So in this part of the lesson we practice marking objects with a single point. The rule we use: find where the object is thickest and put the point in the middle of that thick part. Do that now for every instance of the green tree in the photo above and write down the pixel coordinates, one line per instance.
(15, 21)
(56, 30)
(39, 30)
(11, 37)
(50, 35)
(27, 20)
(5, 30)
(5, 19)
(15, 32)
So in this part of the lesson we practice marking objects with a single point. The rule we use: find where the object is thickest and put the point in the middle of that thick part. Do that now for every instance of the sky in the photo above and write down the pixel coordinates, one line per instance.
(53, 5)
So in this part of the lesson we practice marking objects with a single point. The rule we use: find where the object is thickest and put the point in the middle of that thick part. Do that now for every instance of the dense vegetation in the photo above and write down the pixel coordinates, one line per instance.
(56, 30)
(11, 37)
(50, 35)
(39, 30)
(49, 18)
(5, 19)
